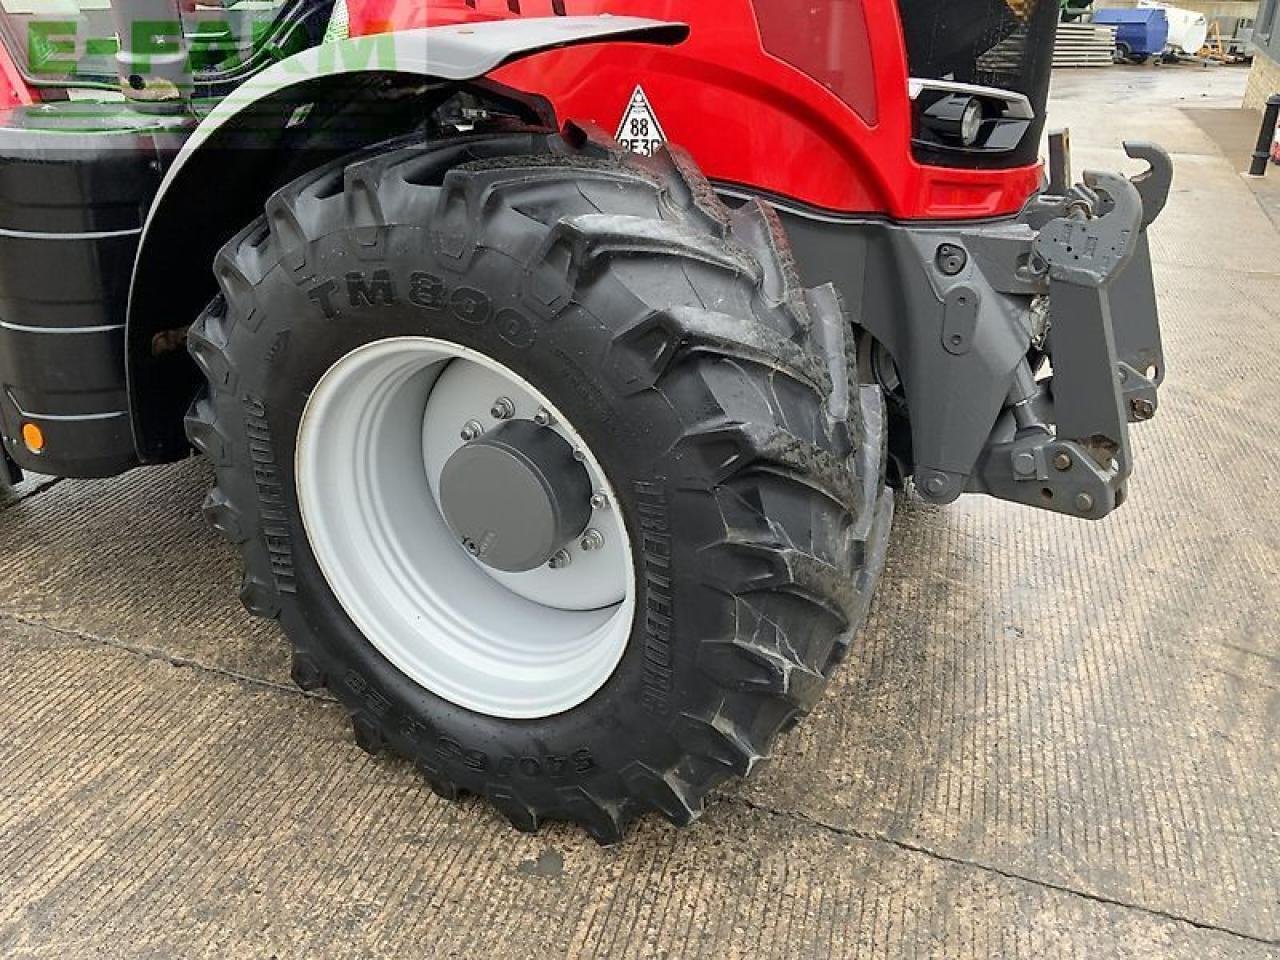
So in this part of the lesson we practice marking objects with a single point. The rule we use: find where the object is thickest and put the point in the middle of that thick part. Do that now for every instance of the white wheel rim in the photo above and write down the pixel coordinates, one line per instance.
(374, 436)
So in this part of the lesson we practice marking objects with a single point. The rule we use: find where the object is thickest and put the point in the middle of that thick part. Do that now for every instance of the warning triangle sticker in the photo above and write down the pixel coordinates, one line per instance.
(640, 132)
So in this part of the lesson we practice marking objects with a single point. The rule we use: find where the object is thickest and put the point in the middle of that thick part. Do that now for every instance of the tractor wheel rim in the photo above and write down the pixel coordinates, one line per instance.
(374, 438)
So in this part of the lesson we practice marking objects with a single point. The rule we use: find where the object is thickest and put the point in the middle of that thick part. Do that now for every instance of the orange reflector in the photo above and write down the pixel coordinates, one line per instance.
(33, 437)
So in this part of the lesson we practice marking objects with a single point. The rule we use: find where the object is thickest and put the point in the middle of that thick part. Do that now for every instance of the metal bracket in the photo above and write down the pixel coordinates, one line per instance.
(1141, 396)
(1062, 476)
(960, 320)
(1096, 390)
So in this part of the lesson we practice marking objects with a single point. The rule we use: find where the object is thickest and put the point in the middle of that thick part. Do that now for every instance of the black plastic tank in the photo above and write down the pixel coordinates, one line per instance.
(76, 182)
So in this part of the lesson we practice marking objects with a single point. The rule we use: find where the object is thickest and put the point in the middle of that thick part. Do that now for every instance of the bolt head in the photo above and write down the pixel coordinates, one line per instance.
(1062, 461)
(1143, 409)
(543, 417)
(1024, 464)
(472, 430)
(561, 560)
(935, 486)
(503, 409)
(599, 502)
(592, 540)
(1084, 503)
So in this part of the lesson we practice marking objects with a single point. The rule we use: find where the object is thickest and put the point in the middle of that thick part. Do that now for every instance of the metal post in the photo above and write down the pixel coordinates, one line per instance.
(1060, 179)
(1266, 137)
(153, 59)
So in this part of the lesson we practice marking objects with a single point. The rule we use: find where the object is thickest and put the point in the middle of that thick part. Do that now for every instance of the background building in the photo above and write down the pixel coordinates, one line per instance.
(1264, 79)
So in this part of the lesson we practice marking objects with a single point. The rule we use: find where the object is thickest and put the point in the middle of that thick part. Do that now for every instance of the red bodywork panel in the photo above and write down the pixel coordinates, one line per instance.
(746, 115)
(13, 89)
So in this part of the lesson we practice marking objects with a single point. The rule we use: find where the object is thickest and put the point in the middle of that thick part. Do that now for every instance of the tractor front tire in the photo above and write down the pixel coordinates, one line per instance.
(717, 402)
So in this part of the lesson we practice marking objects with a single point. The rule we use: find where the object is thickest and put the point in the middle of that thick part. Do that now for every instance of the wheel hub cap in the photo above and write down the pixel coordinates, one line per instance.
(516, 496)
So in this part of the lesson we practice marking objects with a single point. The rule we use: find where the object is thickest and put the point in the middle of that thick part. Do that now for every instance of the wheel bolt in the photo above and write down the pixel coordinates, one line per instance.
(599, 502)
(592, 540)
(543, 417)
(503, 409)
(561, 560)
(472, 430)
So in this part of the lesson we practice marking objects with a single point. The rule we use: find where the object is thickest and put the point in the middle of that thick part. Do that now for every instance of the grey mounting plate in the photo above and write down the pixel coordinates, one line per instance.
(1104, 346)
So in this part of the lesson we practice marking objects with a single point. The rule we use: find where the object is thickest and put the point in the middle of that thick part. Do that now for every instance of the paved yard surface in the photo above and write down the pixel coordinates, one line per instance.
(1054, 740)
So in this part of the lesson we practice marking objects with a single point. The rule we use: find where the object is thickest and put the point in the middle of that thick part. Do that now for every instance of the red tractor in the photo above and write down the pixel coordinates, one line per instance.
(558, 357)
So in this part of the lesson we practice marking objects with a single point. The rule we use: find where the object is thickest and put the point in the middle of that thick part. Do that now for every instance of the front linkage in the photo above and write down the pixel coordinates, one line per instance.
(1015, 353)
(1103, 341)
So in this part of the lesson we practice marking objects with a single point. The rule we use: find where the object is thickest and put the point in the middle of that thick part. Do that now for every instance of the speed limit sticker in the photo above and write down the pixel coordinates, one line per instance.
(640, 132)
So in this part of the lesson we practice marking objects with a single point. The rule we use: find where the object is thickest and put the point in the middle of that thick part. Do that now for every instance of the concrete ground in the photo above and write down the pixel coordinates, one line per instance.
(1055, 739)
(1148, 85)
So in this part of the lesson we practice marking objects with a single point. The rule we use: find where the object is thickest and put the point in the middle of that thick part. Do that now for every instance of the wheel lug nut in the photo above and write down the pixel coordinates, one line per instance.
(561, 560)
(599, 502)
(472, 430)
(592, 540)
(543, 417)
(503, 409)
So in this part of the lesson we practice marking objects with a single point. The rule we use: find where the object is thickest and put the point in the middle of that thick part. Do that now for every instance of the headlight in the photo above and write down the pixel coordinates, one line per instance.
(957, 118)
(967, 124)
(971, 123)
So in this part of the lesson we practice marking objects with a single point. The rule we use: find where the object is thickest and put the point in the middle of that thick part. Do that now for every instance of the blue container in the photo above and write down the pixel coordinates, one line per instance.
(1142, 33)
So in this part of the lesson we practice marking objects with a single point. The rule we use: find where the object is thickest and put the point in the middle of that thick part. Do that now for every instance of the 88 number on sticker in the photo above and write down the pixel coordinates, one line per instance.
(640, 131)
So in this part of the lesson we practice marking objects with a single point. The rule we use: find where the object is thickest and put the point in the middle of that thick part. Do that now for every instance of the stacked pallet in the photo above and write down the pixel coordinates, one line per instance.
(1078, 45)
(1084, 45)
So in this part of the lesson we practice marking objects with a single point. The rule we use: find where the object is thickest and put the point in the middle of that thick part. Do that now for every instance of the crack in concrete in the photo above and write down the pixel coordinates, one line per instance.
(153, 653)
(907, 845)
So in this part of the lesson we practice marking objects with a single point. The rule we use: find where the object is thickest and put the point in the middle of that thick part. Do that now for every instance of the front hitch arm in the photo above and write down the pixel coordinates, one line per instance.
(1065, 441)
